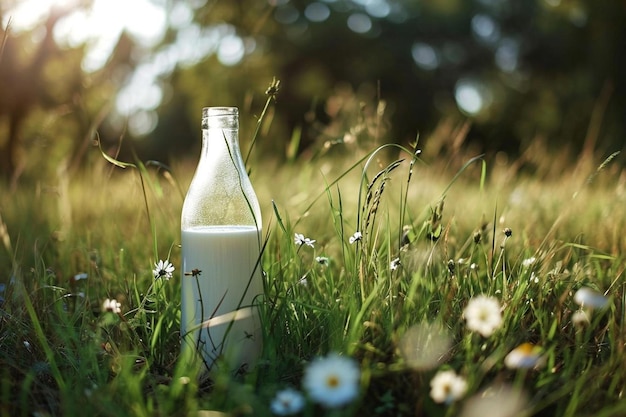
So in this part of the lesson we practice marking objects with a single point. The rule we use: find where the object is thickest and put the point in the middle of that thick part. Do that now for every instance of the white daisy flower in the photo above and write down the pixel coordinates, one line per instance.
(394, 264)
(355, 237)
(580, 318)
(163, 269)
(525, 356)
(483, 315)
(287, 402)
(112, 306)
(447, 387)
(300, 240)
(332, 381)
(586, 297)
(322, 260)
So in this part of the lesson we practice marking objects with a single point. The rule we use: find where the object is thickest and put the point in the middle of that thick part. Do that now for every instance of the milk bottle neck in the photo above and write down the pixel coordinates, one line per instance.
(220, 134)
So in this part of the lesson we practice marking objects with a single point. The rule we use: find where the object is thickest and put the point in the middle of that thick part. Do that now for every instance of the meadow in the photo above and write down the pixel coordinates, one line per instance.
(439, 282)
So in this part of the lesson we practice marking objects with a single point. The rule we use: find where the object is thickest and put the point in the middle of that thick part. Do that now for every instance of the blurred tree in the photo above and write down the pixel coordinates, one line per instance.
(48, 102)
(354, 71)
(515, 69)
(23, 86)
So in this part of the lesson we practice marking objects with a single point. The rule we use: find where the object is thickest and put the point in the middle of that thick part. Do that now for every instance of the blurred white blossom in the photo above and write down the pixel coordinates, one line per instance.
(580, 318)
(586, 297)
(332, 381)
(483, 315)
(355, 237)
(496, 401)
(525, 356)
(322, 260)
(112, 306)
(287, 402)
(447, 387)
(425, 346)
(528, 262)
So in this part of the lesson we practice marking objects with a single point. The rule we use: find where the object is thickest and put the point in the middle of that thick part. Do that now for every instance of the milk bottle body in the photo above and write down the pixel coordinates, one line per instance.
(221, 247)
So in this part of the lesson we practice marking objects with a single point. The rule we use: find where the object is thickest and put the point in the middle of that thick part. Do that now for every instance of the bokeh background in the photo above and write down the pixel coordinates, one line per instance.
(514, 76)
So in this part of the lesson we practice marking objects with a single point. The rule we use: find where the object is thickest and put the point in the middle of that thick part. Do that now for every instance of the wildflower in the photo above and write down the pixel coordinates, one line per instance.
(356, 237)
(80, 277)
(528, 262)
(287, 402)
(322, 260)
(273, 89)
(496, 401)
(534, 278)
(507, 232)
(408, 234)
(587, 297)
(394, 264)
(447, 387)
(425, 346)
(452, 265)
(303, 280)
(580, 318)
(112, 306)
(483, 315)
(300, 240)
(194, 273)
(332, 381)
(525, 356)
(163, 269)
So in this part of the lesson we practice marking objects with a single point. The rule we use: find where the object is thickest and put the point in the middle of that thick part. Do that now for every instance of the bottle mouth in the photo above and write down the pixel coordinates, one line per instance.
(219, 111)
(221, 117)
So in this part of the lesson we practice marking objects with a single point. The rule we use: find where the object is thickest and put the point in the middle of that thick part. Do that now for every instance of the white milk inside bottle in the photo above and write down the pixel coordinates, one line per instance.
(221, 259)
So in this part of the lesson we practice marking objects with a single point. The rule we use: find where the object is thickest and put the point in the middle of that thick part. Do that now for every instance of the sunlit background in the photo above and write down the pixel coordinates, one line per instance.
(143, 69)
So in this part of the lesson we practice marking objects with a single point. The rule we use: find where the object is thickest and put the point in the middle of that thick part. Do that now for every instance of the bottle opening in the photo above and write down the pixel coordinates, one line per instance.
(219, 111)
(222, 117)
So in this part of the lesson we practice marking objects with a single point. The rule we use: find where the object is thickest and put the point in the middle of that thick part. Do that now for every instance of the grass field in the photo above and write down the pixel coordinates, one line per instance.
(463, 264)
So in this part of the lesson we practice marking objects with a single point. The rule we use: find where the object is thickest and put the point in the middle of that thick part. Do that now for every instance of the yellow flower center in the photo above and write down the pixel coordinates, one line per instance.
(526, 348)
(332, 381)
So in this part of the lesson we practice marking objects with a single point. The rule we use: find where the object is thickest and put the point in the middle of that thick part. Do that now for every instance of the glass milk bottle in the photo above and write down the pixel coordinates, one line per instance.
(221, 245)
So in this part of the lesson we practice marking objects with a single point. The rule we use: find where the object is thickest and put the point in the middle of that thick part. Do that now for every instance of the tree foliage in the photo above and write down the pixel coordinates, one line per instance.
(540, 68)
(518, 71)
